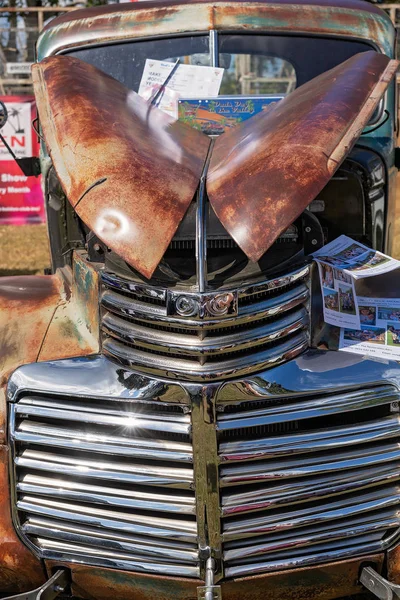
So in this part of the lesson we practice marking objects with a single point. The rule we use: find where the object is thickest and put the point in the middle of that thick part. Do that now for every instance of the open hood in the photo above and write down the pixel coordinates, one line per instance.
(264, 173)
(130, 171)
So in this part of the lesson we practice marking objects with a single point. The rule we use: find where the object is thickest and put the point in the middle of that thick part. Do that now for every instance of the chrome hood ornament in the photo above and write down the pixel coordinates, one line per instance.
(130, 171)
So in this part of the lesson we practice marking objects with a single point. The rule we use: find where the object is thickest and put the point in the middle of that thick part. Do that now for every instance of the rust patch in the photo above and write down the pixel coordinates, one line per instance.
(46, 318)
(393, 565)
(74, 329)
(265, 172)
(149, 164)
(324, 582)
(20, 571)
(354, 20)
(27, 305)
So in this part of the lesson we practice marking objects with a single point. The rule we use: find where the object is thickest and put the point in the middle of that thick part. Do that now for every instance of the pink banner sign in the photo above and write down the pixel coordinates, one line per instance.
(21, 197)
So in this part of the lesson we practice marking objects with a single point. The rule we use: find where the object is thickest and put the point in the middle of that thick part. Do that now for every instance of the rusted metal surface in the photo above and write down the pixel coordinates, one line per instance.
(27, 305)
(354, 20)
(129, 170)
(106, 584)
(74, 328)
(47, 317)
(393, 565)
(20, 571)
(265, 172)
(326, 582)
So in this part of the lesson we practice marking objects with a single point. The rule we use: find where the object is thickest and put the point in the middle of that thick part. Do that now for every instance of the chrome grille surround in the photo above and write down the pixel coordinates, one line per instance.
(106, 480)
(287, 470)
(205, 336)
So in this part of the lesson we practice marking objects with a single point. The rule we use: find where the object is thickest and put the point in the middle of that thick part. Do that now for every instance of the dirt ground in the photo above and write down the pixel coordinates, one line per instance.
(23, 249)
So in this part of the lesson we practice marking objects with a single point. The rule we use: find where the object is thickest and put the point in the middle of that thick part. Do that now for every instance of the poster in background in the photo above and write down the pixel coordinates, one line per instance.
(21, 197)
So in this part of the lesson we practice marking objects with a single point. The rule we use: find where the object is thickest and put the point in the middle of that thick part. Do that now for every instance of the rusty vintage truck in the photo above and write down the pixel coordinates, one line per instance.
(176, 420)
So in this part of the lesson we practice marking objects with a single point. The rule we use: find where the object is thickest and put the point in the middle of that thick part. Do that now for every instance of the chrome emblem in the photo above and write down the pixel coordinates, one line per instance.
(202, 306)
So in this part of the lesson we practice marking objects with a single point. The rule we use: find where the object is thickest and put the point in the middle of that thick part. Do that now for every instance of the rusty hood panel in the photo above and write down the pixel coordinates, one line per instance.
(129, 170)
(264, 173)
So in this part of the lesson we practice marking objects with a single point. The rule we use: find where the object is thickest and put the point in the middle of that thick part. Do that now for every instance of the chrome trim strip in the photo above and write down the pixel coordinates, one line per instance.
(191, 345)
(252, 287)
(148, 544)
(194, 371)
(47, 435)
(277, 283)
(143, 474)
(328, 404)
(114, 560)
(246, 473)
(46, 528)
(132, 287)
(330, 555)
(310, 536)
(65, 489)
(127, 420)
(315, 440)
(174, 529)
(321, 514)
(309, 489)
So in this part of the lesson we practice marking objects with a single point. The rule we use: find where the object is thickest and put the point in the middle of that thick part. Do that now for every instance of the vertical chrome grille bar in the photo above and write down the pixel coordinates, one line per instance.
(206, 472)
(201, 227)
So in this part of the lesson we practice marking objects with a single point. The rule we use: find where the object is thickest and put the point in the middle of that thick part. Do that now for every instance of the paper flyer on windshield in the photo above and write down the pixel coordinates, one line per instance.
(354, 280)
(189, 81)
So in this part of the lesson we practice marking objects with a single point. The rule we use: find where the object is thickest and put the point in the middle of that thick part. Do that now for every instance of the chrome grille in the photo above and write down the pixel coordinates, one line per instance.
(106, 482)
(270, 326)
(326, 490)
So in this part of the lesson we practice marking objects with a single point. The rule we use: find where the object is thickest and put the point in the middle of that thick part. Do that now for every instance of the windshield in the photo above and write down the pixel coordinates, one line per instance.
(254, 64)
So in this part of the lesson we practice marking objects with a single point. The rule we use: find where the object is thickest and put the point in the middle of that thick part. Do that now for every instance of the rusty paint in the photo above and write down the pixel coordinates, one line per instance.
(75, 329)
(46, 318)
(265, 172)
(324, 582)
(27, 305)
(20, 571)
(129, 170)
(353, 20)
(393, 565)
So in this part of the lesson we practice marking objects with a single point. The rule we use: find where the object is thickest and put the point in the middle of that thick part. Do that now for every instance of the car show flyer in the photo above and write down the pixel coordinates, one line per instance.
(353, 282)
(189, 81)
(379, 333)
(214, 116)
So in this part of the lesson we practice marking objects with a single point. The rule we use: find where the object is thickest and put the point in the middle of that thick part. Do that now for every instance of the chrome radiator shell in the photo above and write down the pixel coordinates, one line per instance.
(263, 502)
(192, 336)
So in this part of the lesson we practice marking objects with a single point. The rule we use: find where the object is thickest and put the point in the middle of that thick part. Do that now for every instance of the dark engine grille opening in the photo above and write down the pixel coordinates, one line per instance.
(308, 480)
